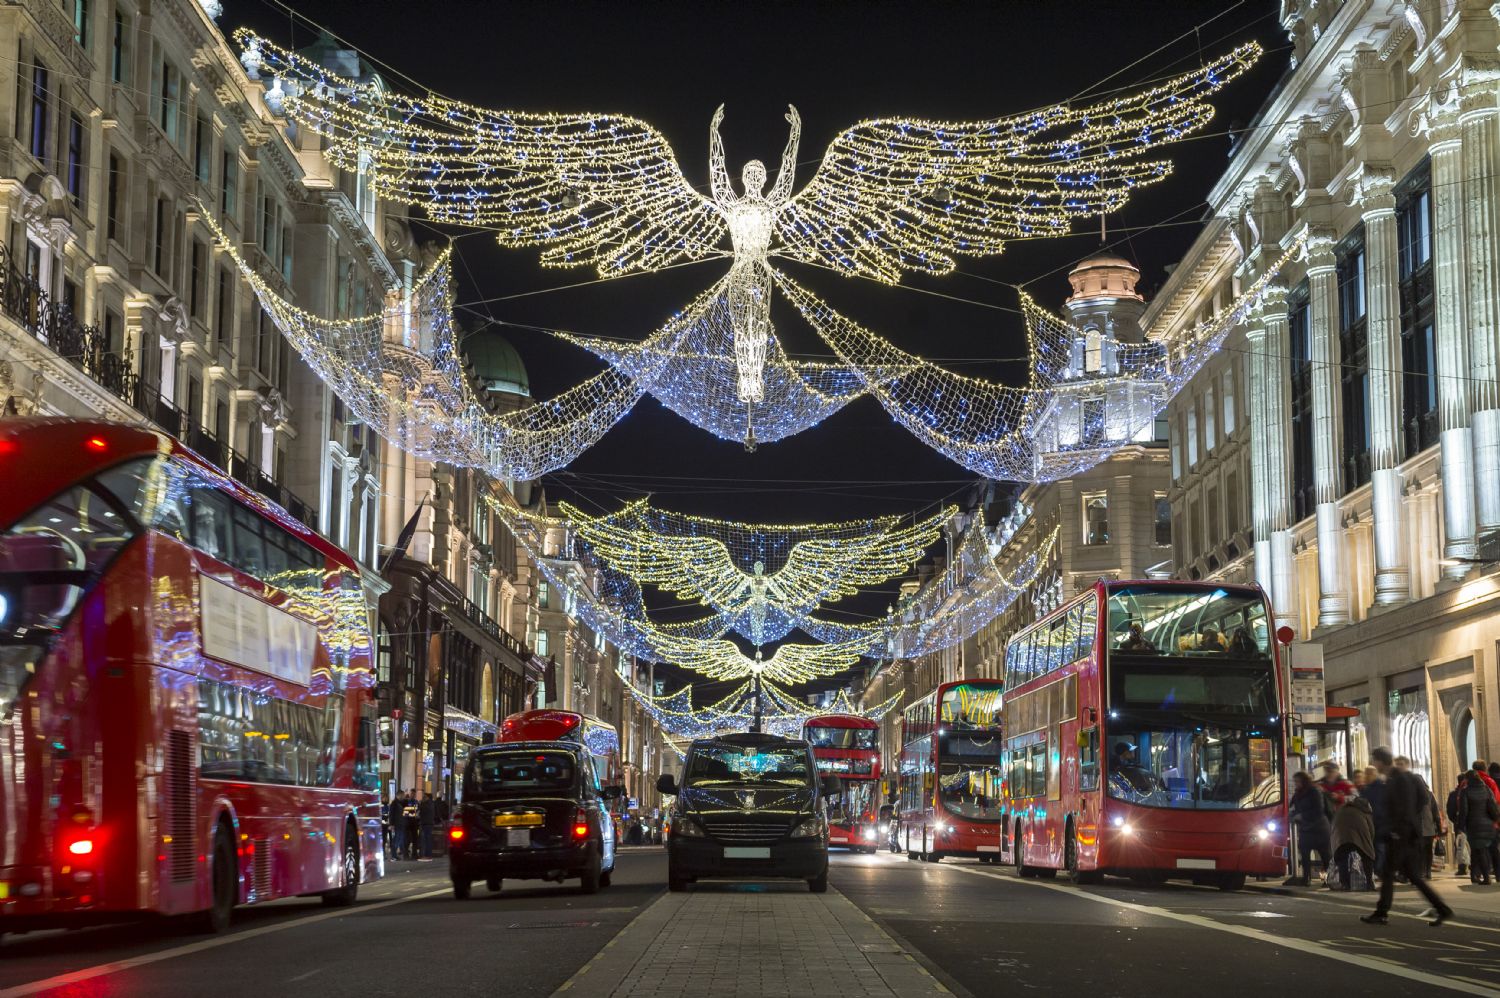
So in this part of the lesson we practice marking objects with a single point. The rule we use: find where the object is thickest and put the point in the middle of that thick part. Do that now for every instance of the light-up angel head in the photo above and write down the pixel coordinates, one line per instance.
(754, 177)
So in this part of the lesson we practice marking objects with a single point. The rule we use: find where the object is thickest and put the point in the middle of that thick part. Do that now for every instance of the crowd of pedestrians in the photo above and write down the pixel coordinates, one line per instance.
(411, 818)
(1385, 825)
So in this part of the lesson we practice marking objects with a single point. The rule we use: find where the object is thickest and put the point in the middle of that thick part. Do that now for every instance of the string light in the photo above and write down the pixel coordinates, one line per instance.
(782, 713)
(891, 196)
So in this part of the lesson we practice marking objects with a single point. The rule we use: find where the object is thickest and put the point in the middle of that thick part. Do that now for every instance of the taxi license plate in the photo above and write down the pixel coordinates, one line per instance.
(518, 838)
(513, 820)
(747, 852)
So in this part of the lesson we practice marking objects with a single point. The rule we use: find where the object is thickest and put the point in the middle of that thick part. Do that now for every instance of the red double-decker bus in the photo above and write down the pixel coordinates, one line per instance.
(187, 719)
(949, 793)
(1144, 728)
(848, 747)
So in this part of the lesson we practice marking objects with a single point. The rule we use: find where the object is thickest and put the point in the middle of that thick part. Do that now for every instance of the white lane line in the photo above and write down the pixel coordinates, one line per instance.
(1364, 960)
(99, 970)
(1337, 903)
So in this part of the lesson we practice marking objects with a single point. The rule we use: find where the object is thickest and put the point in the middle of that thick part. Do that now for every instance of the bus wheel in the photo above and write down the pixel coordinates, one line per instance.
(1070, 861)
(348, 889)
(1018, 850)
(1232, 882)
(225, 880)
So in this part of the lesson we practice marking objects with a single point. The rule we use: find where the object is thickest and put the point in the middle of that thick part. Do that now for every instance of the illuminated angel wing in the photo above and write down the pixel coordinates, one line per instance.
(893, 196)
(688, 567)
(602, 190)
(721, 660)
(822, 570)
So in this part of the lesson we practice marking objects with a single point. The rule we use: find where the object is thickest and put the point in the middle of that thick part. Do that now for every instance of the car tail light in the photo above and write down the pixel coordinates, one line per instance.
(81, 847)
(581, 824)
(456, 832)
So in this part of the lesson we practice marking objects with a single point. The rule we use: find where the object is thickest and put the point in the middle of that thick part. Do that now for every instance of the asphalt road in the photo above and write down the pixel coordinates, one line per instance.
(978, 928)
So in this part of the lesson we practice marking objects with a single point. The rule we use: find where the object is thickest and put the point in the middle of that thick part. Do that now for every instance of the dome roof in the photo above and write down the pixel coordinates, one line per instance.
(1104, 275)
(496, 364)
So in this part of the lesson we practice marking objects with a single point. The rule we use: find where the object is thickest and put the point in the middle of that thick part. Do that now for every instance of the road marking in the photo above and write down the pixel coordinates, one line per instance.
(99, 970)
(1336, 903)
(1364, 960)
(303, 977)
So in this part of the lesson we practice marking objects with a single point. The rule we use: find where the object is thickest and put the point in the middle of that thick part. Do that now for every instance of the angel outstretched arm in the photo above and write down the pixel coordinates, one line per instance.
(782, 192)
(718, 173)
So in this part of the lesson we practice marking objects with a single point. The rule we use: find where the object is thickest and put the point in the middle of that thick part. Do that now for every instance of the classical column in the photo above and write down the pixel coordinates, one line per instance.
(1255, 412)
(1323, 305)
(1383, 321)
(1481, 163)
(1451, 330)
(1277, 431)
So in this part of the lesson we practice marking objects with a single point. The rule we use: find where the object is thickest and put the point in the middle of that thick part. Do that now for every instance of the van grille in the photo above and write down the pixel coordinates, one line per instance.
(745, 832)
(183, 852)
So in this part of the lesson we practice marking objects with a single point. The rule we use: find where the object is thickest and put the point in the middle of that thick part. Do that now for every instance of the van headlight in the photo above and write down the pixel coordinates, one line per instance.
(811, 828)
(687, 828)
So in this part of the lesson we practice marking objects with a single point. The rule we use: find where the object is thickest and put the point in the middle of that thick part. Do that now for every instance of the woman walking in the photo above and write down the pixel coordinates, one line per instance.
(1477, 814)
(1311, 821)
(1354, 835)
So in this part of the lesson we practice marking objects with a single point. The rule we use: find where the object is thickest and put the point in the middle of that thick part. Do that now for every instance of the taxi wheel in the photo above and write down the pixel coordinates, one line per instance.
(588, 883)
(493, 884)
(460, 890)
(934, 857)
(911, 855)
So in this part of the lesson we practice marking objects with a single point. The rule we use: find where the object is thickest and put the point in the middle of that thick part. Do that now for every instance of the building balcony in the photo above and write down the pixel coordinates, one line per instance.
(26, 303)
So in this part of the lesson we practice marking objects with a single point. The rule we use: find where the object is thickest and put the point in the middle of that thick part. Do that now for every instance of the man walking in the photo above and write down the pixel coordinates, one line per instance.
(397, 825)
(1403, 805)
(410, 823)
(426, 818)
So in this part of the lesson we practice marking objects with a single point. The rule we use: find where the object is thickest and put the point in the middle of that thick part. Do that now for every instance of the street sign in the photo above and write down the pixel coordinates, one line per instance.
(1309, 702)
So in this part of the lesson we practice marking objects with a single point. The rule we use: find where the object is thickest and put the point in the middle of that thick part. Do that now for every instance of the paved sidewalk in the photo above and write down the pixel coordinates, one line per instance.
(730, 940)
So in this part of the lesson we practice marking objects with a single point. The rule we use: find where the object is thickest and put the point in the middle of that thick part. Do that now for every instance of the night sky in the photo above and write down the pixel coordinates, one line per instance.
(671, 64)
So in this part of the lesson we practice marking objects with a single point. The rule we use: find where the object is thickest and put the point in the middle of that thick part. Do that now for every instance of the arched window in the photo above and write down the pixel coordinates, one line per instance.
(487, 693)
(1093, 350)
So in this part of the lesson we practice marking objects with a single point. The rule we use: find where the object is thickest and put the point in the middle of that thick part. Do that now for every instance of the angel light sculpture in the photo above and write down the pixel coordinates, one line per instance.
(891, 196)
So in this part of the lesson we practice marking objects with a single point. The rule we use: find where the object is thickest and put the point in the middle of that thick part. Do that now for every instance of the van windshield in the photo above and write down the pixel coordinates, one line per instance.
(749, 765)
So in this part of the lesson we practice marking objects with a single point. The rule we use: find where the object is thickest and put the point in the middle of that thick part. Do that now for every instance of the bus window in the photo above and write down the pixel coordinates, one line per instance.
(249, 550)
(210, 522)
(1088, 759)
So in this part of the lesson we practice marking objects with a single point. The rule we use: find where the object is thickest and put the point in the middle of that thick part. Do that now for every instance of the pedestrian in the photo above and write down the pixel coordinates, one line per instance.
(1354, 835)
(1477, 813)
(1404, 831)
(1431, 816)
(1460, 840)
(1311, 822)
(1334, 785)
(411, 821)
(397, 824)
(426, 816)
(1374, 791)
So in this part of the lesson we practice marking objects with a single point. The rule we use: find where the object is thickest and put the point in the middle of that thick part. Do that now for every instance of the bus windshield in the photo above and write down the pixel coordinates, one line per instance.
(841, 738)
(1147, 620)
(1158, 763)
(969, 775)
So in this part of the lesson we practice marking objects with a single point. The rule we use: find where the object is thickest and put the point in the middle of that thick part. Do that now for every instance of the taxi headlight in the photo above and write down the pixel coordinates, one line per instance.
(810, 828)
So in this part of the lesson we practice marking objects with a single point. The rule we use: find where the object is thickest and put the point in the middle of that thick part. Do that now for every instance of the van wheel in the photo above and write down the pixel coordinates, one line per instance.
(348, 889)
(676, 883)
(225, 881)
(493, 884)
(819, 884)
(460, 888)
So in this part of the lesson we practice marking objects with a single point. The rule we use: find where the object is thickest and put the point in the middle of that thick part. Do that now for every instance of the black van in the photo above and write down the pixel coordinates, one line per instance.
(532, 811)
(750, 805)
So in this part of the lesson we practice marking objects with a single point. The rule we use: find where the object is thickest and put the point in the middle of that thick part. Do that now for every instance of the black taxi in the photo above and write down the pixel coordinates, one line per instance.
(532, 811)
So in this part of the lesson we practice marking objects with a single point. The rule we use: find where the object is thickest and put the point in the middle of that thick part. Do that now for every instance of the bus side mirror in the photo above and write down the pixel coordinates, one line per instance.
(666, 784)
(614, 792)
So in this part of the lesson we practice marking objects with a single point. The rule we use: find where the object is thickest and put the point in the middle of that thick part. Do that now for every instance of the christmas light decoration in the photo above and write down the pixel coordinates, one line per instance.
(790, 663)
(891, 195)
(782, 713)
(763, 579)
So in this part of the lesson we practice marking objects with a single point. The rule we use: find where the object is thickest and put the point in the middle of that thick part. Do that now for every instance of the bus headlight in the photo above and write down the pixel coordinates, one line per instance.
(885, 828)
(946, 829)
(1120, 823)
(870, 834)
